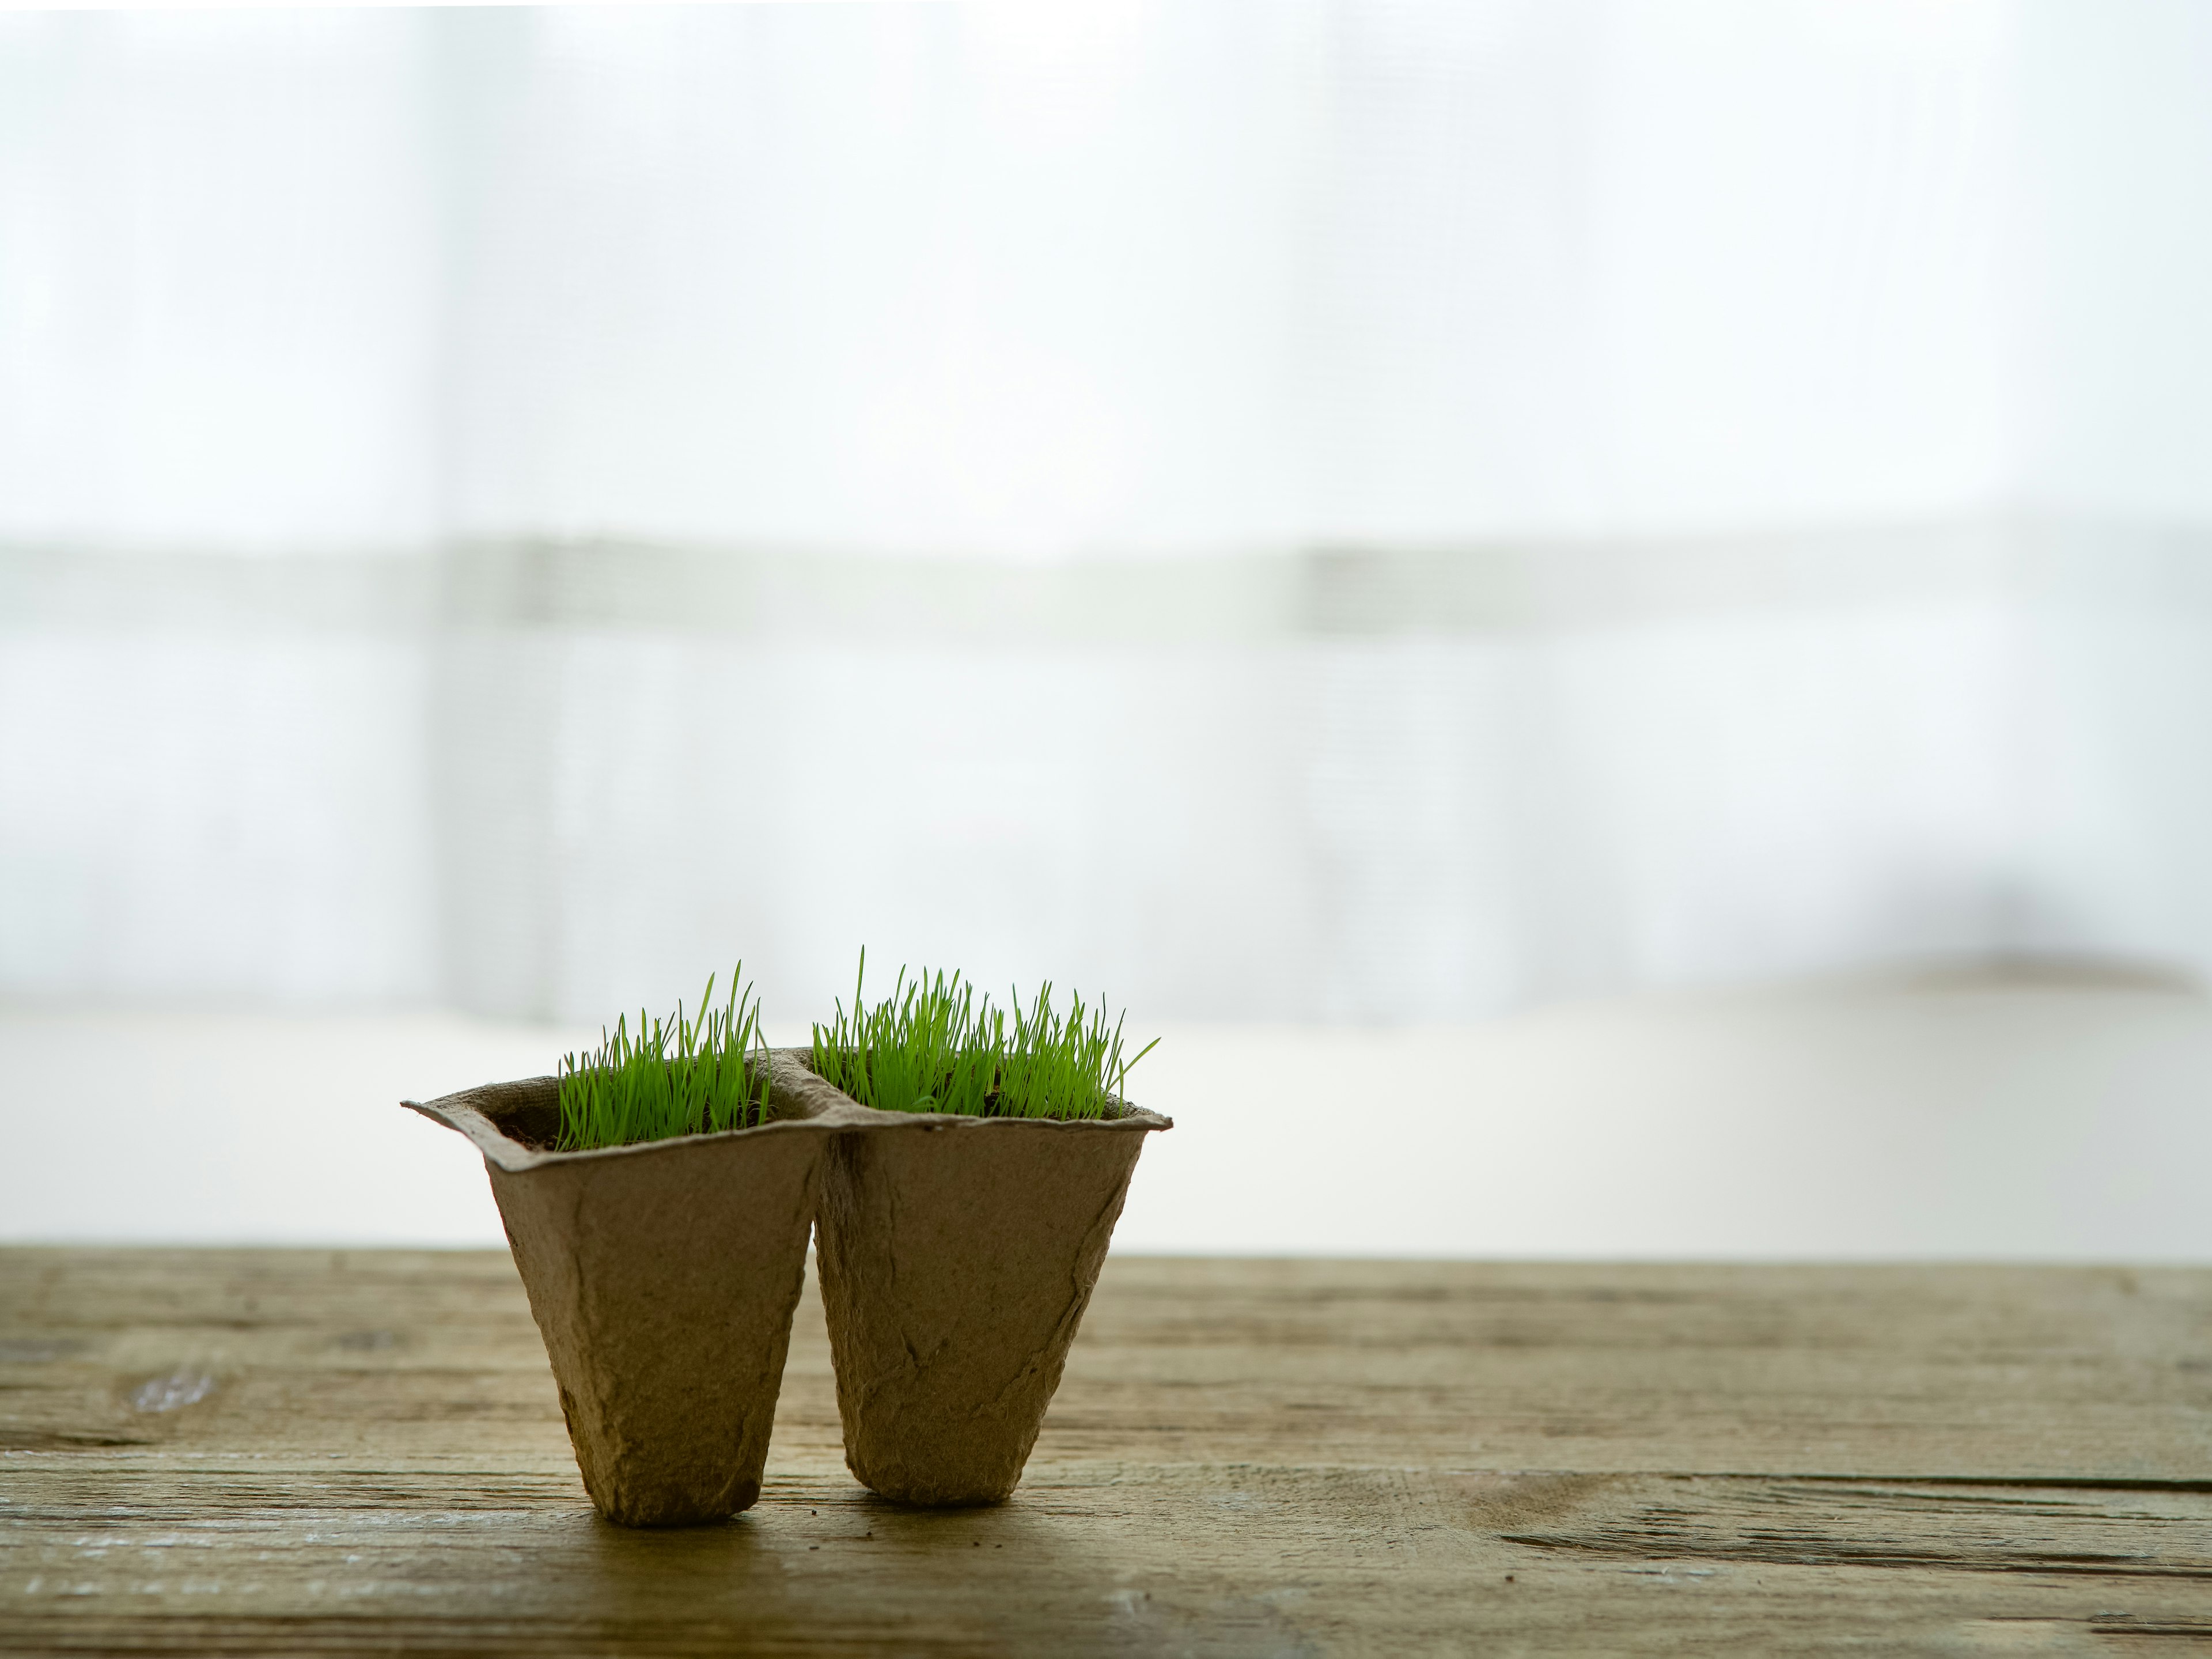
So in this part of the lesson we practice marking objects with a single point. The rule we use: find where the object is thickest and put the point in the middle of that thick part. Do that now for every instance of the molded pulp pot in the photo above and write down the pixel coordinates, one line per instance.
(957, 1255)
(662, 1277)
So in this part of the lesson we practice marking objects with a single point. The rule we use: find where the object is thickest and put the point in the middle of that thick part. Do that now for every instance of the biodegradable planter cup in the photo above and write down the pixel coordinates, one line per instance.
(957, 1255)
(663, 1277)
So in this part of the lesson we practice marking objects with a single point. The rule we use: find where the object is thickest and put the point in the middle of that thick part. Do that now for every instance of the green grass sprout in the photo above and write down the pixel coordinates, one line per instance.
(934, 1045)
(675, 1077)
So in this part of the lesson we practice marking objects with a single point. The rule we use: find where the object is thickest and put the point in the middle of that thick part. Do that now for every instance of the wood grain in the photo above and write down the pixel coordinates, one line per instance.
(297, 1452)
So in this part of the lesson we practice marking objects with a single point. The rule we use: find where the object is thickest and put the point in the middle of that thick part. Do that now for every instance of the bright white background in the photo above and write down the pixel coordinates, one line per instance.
(1309, 518)
(2016, 1116)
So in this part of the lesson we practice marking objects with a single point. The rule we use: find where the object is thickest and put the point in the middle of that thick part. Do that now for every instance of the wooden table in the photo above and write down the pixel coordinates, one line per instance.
(298, 1452)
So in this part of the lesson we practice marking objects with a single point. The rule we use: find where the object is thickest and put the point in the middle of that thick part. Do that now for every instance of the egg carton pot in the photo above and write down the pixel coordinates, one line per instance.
(957, 1255)
(663, 1276)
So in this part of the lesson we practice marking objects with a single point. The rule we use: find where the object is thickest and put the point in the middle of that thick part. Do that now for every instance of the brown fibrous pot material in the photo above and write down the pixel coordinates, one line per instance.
(957, 1255)
(663, 1276)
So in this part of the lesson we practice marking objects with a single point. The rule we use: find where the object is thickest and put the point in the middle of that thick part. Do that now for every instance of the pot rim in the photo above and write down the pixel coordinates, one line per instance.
(459, 1112)
(1127, 1118)
(799, 1099)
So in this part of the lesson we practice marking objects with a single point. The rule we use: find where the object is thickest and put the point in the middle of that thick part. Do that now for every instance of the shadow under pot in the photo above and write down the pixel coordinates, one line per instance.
(662, 1276)
(957, 1255)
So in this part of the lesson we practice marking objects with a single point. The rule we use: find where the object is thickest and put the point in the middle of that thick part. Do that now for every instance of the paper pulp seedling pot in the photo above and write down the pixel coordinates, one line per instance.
(663, 1277)
(957, 1255)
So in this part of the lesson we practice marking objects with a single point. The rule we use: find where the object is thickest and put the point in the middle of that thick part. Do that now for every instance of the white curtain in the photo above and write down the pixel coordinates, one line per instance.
(1274, 510)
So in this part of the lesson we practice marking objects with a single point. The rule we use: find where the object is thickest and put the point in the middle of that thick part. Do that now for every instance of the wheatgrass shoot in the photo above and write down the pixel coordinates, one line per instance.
(934, 1045)
(673, 1077)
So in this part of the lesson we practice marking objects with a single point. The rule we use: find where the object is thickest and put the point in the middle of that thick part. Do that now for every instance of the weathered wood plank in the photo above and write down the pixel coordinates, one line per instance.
(314, 1451)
